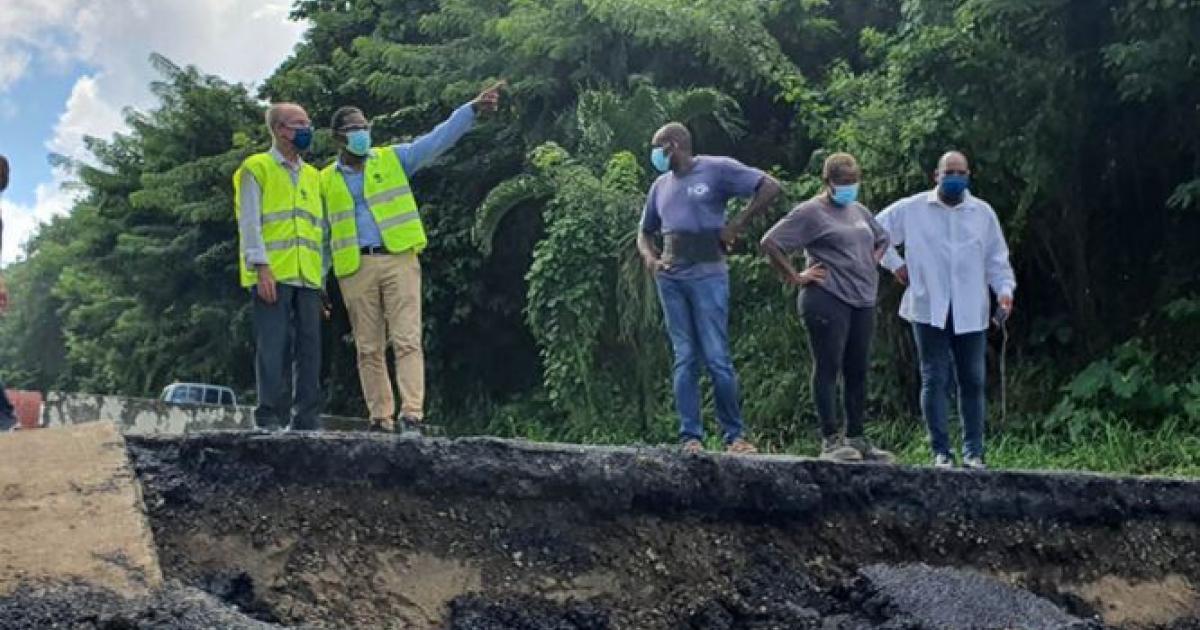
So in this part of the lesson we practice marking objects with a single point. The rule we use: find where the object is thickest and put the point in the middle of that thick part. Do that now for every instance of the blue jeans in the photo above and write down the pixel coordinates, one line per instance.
(945, 356)
(697, 314)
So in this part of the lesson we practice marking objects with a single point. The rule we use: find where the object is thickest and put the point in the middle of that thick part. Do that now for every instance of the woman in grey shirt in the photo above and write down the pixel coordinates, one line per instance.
(843, 245)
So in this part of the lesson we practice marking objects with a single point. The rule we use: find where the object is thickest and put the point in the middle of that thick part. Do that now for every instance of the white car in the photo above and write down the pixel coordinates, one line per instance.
(198, 394)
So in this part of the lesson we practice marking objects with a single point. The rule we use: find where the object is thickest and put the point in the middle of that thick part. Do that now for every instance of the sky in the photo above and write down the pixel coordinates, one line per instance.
(69, 68)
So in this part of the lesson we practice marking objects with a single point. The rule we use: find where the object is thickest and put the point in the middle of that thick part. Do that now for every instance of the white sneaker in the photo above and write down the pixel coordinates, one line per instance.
(974, 462)
(942, 460)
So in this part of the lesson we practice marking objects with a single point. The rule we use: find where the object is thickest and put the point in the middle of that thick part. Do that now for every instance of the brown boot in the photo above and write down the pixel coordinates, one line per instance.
(740, 447)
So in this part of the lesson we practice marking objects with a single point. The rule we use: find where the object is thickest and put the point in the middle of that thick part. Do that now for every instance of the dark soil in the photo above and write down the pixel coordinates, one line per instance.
(366, 531)
(79, 607)
(384, 532)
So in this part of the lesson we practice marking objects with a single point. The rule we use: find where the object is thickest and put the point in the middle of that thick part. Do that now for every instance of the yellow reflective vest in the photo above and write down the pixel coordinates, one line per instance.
(292, 220)
(390, 198)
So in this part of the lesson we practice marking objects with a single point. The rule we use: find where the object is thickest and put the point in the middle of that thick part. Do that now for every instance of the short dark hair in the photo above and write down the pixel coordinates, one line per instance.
(339, 116)
(837, 164)
(677, 134)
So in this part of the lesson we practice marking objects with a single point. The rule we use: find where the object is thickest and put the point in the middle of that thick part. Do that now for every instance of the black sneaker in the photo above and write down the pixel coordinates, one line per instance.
(410, 426)
(378, 426)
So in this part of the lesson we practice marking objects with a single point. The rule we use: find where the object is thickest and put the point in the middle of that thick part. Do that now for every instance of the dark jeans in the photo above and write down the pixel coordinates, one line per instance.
(945, 356)
(697, 315)
(839, 337)
(287, 337)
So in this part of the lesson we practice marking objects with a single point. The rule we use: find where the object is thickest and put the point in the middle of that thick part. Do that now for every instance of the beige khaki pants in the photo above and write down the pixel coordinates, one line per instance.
(384, 301)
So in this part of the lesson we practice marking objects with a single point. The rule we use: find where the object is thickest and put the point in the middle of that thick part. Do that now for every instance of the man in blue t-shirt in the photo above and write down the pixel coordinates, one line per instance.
(686, 205)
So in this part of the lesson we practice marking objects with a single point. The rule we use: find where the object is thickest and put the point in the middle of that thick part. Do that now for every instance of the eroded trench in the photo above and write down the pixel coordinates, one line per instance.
(364, 531)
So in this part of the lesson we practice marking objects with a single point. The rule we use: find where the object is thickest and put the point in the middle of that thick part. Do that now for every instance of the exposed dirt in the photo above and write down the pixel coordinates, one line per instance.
(380, 532)
(1146, 603)
(359, 531)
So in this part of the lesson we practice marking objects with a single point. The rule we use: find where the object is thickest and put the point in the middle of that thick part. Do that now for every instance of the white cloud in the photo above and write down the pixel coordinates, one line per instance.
(20, 222)
(87, 114)
(13, 64)
(235, 39)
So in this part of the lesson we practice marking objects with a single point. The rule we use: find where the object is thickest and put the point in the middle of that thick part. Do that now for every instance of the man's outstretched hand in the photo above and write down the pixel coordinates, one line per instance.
(489, 100)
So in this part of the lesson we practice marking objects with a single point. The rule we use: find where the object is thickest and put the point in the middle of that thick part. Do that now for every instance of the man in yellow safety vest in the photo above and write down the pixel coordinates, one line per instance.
(376, 236)
(281, 227)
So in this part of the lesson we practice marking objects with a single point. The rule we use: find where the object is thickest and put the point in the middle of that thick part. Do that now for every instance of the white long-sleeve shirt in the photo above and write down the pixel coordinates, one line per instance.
(954, 254)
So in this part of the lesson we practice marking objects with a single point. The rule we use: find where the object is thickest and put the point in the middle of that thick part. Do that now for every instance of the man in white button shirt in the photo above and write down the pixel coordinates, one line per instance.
(954, 251)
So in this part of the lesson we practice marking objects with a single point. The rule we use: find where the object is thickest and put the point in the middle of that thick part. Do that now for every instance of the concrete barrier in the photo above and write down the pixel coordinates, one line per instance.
(143, 416)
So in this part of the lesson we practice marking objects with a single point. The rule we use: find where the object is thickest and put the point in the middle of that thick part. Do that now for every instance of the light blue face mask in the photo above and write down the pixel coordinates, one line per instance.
(358, 141)
(845, 195)
(659, 158)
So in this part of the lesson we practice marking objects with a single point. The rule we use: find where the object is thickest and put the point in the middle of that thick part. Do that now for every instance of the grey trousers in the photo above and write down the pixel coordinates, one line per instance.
(287, 339)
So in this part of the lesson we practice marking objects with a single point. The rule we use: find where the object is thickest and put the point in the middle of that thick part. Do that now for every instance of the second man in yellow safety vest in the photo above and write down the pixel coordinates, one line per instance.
(281, 228)
(376, 236)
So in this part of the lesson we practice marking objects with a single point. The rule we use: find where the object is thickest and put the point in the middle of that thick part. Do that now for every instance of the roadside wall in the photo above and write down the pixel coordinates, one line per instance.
(143, 416)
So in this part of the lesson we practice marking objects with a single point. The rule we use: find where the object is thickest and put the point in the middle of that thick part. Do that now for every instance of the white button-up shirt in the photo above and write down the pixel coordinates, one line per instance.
(953, 255)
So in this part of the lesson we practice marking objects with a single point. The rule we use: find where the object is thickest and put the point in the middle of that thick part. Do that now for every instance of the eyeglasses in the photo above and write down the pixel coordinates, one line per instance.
(955, 172)
(349, 128)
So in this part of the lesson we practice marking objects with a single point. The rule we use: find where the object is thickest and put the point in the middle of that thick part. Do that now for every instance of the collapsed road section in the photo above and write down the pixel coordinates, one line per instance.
(366, 531)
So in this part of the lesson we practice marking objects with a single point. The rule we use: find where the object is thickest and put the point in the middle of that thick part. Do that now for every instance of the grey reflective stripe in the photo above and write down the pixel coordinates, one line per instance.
(288, 215)
(275, 246)
(277, 217)
(345, 243)
(397, 220)
(341, 216)
(297, 281)
(307, 216)
(388, 195)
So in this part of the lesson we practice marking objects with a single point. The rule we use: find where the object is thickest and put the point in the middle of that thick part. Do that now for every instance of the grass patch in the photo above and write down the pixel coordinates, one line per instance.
(1116, 447)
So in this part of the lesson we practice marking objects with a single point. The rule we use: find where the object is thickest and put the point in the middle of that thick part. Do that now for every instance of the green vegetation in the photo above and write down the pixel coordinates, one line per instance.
(1080, 117)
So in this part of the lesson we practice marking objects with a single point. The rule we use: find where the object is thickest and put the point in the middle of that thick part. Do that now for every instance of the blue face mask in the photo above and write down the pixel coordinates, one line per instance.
(953, 186)
(845, 195)
(302, 138)
(659, 158)
(358, 141)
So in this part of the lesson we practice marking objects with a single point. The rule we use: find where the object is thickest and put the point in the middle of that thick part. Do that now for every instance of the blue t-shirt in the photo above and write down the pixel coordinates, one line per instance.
(695, 203)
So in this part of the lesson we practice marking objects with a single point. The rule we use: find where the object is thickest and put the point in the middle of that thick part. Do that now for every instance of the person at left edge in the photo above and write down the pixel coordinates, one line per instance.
(7, 417)
(376, 237)
(281, 228)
